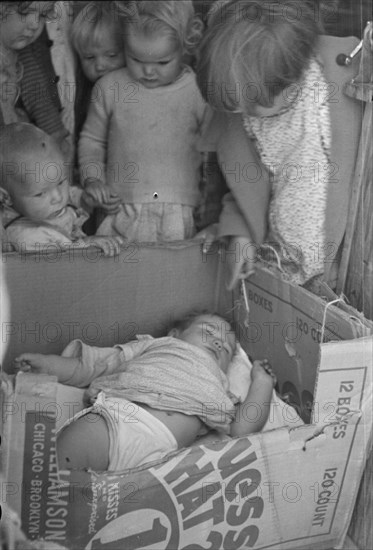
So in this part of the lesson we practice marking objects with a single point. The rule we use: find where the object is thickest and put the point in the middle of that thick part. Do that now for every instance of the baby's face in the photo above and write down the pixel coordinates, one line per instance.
(102, 56)
(154, 60)
(214, 335)
(40, 190)
(19, 28)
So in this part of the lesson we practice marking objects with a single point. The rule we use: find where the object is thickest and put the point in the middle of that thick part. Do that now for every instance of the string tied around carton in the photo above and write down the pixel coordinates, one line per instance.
(336, 301)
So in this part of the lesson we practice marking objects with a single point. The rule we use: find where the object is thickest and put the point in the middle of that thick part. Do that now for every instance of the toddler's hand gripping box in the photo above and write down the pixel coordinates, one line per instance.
(279, 489)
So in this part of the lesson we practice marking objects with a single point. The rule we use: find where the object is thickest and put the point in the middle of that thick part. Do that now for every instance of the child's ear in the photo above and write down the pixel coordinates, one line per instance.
(5, 197)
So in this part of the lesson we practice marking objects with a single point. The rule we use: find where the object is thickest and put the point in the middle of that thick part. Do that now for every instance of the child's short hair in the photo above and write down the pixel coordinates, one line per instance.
(6, 8)
(92, 21)
(252, 50)
(176, 17)
(10, 7)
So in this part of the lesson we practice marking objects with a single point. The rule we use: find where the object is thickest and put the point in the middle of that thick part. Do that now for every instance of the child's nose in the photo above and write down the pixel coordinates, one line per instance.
(56, 195)
(218, 345)
(100, 64)
(148, 70)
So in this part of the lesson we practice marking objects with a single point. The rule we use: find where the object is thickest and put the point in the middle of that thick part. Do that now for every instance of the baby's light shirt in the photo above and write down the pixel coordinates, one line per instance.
(165, 373)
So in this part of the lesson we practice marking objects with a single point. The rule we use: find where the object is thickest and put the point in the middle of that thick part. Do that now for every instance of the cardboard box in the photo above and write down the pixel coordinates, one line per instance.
(57, 296)
(286, 324)
(280, 489)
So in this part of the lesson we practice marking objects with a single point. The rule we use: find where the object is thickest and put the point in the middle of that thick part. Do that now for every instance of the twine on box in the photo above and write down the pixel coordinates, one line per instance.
(336, 301)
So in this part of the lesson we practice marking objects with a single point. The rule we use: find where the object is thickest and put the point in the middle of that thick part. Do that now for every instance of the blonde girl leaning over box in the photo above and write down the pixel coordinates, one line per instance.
(287, 127)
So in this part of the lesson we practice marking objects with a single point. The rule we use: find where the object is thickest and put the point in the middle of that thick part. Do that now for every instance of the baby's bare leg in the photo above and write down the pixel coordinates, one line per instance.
(84, 444)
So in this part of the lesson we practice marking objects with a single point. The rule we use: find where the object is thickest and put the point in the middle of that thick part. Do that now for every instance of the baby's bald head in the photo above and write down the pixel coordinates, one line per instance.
(33, 173)
(25, 150)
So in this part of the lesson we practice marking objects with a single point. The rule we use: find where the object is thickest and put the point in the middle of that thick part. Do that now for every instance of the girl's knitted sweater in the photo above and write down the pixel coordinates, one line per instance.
(142, 142)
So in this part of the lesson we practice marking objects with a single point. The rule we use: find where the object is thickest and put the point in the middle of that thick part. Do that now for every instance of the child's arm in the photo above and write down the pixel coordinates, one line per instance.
(253, 413)
(62, 367)
(29, 237)
(110, 246)
(92, 149)
(80, 363)
(244, 266)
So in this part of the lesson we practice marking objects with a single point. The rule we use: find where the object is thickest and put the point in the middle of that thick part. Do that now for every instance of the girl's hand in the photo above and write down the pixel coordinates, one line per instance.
(263, 370)
(209, 235)
(240, 260)
(109, 245)
(33, 362)
(97, 193)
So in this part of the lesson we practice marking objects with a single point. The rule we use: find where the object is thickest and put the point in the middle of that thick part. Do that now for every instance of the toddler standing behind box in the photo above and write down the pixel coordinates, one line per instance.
(97, 37)
(138, 146)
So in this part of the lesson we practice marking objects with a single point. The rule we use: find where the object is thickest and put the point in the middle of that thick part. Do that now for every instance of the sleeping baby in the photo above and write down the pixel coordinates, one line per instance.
(152, 396)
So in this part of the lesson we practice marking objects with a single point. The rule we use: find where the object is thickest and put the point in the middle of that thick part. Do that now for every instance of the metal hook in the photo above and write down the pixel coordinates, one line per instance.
(345, 60)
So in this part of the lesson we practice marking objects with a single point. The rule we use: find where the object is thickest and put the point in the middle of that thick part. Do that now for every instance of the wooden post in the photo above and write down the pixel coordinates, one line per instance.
(355, 278)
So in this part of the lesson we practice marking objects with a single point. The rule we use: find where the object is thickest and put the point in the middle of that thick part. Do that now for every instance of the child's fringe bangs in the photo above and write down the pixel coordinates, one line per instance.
(90, 25)
(215, 72)
(177, 15)
(226, 73)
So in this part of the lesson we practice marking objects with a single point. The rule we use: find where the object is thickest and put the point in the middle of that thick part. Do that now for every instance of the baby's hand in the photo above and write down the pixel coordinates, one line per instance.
(109, 245)
(97, 193)
(262, 369)
(33, 362)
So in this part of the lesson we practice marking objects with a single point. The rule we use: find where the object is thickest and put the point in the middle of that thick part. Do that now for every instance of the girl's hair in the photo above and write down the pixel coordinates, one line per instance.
(92, 22)
(252, 50)
(10, 7)
(22, 8)
(175, 17)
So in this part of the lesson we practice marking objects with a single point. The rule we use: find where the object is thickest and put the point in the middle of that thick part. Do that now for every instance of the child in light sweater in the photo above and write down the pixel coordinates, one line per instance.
(153, 396)
(137, 151)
